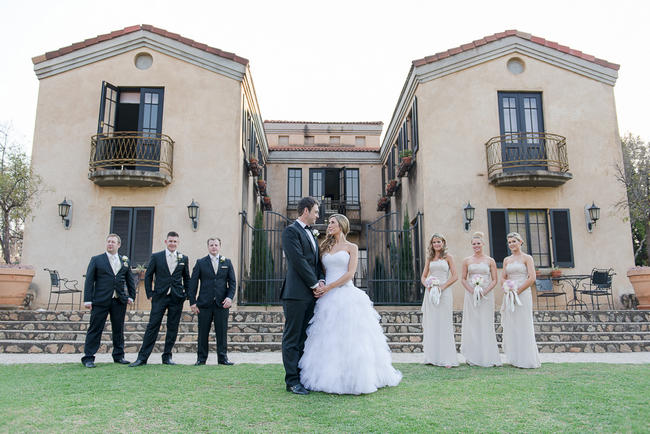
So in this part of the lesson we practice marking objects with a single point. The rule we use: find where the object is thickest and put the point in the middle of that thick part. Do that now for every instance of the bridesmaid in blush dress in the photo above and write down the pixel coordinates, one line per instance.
(479, 341)
(517, 312)
(437, 312)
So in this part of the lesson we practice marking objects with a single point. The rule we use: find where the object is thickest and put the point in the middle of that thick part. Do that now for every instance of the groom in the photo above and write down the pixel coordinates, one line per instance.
(304, 275)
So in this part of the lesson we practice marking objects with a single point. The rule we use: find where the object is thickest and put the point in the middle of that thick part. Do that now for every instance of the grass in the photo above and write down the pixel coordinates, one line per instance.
(157, 398)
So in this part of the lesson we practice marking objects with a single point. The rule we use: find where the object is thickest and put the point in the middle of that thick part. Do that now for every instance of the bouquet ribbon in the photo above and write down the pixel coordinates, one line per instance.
(478, 294)
(511, 298)
(434, 294)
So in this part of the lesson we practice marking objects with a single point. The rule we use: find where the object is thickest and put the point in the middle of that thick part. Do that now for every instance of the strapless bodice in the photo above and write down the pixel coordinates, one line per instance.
(480, 269)
(517, 271)
(439, 269)
(336, 265)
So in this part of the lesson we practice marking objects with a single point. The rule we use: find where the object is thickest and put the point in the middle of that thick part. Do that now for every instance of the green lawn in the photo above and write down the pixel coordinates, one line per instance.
(157, 398)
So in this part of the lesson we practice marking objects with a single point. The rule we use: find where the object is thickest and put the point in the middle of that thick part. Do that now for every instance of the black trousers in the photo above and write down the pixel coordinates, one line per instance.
(297, 314)
(174, 307)
(98, 314)
(208, 316)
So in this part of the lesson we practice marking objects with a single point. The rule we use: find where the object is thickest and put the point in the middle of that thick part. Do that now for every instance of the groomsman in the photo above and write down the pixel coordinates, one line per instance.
(105, 292)
(171, 271)
(217, 277)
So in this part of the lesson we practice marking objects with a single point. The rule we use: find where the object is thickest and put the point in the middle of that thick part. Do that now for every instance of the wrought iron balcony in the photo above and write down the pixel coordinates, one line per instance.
(352, 210)
(527, 160)
(131, 158)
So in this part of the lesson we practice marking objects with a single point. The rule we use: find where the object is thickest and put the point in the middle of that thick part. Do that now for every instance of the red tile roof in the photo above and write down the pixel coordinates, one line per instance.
(314, 122)
(125, 31)
(528, 36)
(322, 148)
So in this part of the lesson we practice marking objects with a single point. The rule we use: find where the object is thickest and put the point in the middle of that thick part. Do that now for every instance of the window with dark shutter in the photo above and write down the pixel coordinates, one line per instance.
(498, 224)
(561, 233)
(135, 228)
(414, 126)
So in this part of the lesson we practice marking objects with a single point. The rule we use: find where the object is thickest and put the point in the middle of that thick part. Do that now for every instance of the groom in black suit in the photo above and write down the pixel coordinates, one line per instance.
(217, 277)
(304, 275)
(169, 293)
(108, 279)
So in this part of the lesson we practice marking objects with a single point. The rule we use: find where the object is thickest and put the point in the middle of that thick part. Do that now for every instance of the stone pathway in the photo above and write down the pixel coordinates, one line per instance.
(276, 357)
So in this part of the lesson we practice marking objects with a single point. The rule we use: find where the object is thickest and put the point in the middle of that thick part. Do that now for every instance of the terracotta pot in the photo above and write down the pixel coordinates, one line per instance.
(556, 273)
(14, 283)
(640, 280)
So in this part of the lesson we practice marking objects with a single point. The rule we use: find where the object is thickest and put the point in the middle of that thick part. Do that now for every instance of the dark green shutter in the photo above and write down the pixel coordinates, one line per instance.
(561, 233)
(498, 224)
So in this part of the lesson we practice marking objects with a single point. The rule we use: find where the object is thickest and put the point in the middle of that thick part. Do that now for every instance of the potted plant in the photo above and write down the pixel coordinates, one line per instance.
(391, 186)
(261, 186)
(141, 270)
(267, 203)
(254, 167)
(640, 279)
(556, 272)
(14, 283)
(383, 203)
(407, 161)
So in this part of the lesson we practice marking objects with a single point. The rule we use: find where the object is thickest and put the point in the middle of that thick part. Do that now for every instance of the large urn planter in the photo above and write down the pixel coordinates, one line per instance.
(14, 283)
(640, 280)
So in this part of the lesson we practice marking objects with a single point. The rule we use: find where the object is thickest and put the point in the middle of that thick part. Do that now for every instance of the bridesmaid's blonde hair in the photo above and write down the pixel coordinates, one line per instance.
(479, 235)
(329, 240)
(516, 236)
(432, 252)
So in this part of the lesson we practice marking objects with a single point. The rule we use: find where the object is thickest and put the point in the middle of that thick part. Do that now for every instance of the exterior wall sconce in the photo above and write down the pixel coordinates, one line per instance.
(468, 216)
(193, 212)
(65, 208)
(592, 214)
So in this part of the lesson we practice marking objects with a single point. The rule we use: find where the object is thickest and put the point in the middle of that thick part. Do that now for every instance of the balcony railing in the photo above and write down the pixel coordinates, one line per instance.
(527, 160)
(131, 158)
(350, 209)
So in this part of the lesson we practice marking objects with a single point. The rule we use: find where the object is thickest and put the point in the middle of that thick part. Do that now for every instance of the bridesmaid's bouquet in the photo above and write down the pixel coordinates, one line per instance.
(510, 298)
(477, 282)
(434, 289)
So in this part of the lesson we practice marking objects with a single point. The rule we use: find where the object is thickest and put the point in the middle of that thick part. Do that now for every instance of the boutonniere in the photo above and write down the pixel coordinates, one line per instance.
(125, 260)
(315, 233)
(179, 256)
(222, 259)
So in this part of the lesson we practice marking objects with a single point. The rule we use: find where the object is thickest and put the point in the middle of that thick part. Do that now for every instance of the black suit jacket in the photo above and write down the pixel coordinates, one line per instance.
(101, 282)
(177, 281)
(304, 268)
(215, 288)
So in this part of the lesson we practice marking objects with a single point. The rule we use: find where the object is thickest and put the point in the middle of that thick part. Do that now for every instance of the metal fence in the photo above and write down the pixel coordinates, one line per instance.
(395, 261)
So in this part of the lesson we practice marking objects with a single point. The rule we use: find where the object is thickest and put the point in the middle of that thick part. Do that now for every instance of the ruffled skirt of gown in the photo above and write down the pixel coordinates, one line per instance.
(346, 351)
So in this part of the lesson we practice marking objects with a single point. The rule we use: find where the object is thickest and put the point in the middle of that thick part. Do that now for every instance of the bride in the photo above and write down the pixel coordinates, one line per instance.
(346, 351)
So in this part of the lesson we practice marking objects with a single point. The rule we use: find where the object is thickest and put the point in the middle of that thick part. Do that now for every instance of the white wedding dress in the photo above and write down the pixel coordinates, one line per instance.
(346, 351)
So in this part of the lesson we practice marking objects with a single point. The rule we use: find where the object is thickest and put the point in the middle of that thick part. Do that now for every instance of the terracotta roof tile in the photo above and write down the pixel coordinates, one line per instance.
(322, 149)
(536, 39)
(125, 31)
(315, 122)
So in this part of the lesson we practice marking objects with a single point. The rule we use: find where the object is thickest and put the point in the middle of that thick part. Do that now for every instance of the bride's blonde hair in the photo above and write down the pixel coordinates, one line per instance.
(329, 240)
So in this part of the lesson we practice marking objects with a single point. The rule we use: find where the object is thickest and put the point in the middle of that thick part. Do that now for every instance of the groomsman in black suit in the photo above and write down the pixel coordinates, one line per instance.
(217, 277)
(304, 275)
(169, 293)
(108, 289)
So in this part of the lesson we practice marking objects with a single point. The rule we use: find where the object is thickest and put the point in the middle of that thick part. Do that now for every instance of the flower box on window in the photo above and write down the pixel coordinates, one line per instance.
(267, 203)
(254, 168)
(383, 203)
(406, 163)
(261, 186)
(391, 187)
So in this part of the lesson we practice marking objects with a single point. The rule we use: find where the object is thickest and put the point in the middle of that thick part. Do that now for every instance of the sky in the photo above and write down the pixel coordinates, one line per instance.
(328, 60)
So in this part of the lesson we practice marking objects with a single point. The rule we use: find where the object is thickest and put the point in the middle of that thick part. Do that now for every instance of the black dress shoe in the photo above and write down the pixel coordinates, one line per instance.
(169, 362)
(138, 363)
(225, 362)
(298, 389)
(199, 363)
(89, 364)
(122, 361)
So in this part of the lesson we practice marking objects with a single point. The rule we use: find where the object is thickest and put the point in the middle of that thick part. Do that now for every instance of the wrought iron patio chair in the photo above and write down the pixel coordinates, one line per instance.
(544, 289)
(599, 285)
(60, 285)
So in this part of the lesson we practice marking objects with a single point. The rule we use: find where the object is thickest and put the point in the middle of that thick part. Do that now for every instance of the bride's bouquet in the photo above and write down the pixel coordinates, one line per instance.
(510, 296)
(434, 289)
(477, 283)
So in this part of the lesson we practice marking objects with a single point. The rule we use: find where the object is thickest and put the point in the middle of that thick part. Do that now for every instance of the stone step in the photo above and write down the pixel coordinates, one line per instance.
(396, 317)
(252, 327)
(72, 347)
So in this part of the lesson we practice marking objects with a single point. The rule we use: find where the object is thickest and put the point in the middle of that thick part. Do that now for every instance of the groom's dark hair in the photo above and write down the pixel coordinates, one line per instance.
(306, 202)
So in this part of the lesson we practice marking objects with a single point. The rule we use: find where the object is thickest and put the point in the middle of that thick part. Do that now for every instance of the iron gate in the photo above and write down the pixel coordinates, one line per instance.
(395, 261)
(263, 265)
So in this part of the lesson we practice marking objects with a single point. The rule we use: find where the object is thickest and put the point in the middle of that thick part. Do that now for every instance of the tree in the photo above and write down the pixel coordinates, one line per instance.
(19, 188)
(261, 262)
(634, 174)
(406, 273)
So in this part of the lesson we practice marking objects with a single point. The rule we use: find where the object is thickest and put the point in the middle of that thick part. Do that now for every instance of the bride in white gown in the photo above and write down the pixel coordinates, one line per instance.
(346, 351)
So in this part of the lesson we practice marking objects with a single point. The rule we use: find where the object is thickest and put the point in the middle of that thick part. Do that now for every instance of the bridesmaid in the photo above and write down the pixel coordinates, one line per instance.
(437, 319)
(479, 341)
(518, 331)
